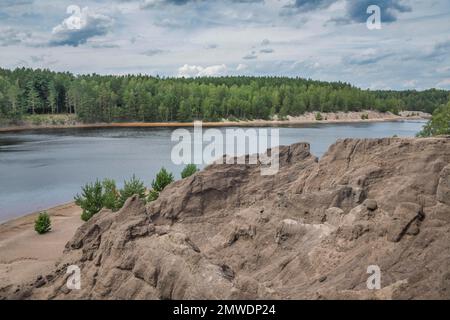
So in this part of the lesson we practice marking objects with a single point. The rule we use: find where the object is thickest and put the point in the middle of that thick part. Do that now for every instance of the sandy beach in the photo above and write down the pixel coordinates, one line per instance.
(24, 254)
(307, 118)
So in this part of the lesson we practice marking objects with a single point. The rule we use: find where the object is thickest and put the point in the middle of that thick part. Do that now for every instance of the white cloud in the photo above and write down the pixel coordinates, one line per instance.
(367, 56)
(410, 83)
(189, 71)
(241, 67)
(444, 84)
(120, 37)
(265, 42)
(250, 56)
(443, 70)
(80, 26)
(10, 36)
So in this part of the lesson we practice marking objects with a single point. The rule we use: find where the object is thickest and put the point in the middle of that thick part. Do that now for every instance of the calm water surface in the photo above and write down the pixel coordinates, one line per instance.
(43, 168)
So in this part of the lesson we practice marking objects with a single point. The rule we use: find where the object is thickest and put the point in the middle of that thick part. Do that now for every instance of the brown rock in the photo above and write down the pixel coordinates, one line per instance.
(230, 233)
(406, 216)
(370, 204)
(443, 190)
(442, 212)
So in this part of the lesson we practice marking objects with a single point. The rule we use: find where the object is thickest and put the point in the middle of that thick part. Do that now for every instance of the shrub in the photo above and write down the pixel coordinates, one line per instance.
(365, 116)
(439, 123)
(86, 216)
(163, 179)
(91, 200)
(153, 195)
(188, 171)
(36, 120)
(130, 188)
(110, 195)
(99, 195)
(319, 116)
(43, 223)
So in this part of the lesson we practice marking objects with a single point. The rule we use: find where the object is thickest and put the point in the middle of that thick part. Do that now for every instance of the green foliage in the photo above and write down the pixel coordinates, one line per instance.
(90, 200)
(95, 98)
(188, 171)
(153, 195)
(319, 116)
(110, 195)
(43, 223)
(86, 216)
(439, 123)
(98, 195)
(365, 116)
(163, 179)
(132, 187)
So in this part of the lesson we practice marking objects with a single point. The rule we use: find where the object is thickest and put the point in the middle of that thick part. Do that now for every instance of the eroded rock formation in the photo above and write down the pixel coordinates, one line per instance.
(310, 231)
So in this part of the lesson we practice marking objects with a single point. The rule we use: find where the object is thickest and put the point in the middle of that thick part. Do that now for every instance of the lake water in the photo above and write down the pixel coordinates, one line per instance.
(43, 168)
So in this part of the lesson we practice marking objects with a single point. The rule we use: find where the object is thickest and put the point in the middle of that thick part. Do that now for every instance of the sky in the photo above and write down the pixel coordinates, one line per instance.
(325, 40)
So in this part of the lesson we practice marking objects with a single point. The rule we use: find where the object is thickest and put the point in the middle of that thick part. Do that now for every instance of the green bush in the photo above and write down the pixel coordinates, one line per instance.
(188, 171)
(439, 123)
(233, 119)
(90, 200)
(319, 116)
(110, 195)
(163, 179)
(36, 120)
(98, 195)
(365, 116)
(153, 195)
(43, 223)
(395, 111)
(130, 188)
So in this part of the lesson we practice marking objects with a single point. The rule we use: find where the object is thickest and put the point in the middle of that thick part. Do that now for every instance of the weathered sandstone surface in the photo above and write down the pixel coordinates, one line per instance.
(309, 232)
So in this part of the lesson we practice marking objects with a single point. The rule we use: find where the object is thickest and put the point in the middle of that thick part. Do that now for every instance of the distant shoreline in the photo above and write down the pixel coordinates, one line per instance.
(309, 118)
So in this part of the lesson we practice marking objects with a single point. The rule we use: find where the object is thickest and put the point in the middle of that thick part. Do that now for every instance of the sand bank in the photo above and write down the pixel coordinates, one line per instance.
(24, 254)
(308, 118)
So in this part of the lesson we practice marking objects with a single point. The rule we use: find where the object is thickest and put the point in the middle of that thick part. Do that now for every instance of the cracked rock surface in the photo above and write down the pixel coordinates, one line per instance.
(309, 232)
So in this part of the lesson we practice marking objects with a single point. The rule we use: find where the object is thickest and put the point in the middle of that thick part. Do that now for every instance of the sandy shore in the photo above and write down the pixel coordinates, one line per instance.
(308, 118)
(24, 254)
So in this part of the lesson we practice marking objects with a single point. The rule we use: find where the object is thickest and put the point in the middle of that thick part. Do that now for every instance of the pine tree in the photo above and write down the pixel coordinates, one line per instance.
(52, 98)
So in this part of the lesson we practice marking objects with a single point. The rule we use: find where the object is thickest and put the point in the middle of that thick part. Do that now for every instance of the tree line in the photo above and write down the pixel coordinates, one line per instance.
(97, 98)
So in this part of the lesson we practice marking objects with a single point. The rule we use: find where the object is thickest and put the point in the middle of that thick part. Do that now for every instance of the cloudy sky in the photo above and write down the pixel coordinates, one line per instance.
(318, 39)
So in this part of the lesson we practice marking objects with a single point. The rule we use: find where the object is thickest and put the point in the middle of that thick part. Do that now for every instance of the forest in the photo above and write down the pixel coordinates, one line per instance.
(98, 98)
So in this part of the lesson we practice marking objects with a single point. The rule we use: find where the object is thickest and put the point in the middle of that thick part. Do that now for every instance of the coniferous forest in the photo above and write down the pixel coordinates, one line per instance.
(95, 98)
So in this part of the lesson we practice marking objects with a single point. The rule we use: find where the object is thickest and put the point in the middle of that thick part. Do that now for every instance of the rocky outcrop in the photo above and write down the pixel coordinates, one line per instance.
(311, 231)
(443, 189)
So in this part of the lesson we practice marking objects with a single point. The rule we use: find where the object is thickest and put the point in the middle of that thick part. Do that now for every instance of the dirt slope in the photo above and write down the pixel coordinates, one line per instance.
(309, 232)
